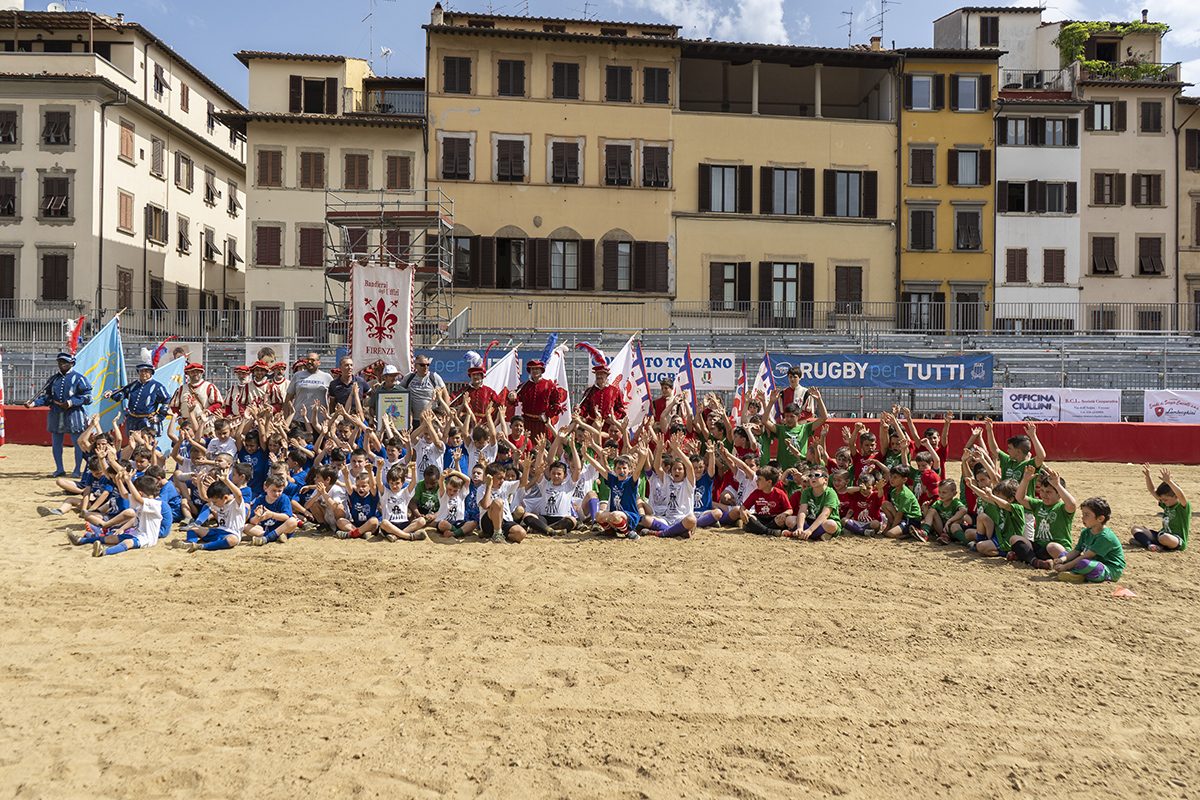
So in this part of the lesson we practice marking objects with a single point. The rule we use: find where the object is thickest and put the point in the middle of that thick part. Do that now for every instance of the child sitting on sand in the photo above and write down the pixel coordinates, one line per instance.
(1176, 515)
(1098, 555)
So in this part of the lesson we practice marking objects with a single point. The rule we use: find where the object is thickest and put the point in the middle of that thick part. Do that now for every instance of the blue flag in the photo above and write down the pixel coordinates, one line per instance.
(551, 343)
(171, 377)
(103, 364)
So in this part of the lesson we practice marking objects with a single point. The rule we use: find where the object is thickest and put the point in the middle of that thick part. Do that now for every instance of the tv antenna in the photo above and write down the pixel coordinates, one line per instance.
(370, 20)
(884, 7)
(849, 26)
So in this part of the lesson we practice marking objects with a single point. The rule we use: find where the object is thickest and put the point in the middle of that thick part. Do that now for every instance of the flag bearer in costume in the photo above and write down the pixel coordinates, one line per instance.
(67, 393)
(479, 398)
(541, 400)
(196, 393)
(145, 401)
(602, 399)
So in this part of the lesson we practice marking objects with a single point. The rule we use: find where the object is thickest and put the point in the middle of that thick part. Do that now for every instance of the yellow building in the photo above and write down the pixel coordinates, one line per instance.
(596, 163)
(946, 175)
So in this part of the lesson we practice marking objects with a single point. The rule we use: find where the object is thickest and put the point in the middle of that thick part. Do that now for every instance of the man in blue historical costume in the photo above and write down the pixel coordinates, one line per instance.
(145, 401)
(67, 394)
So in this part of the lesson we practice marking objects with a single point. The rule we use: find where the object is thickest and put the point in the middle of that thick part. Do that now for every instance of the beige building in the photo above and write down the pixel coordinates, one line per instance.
(119, 188)
(323, 134)
(1187, 123)
(594, 162)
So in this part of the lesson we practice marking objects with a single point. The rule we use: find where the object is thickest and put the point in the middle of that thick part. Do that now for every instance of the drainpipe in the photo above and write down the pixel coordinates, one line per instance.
(898, 95)
(1178, 206)
(122, 99)
(995, 200)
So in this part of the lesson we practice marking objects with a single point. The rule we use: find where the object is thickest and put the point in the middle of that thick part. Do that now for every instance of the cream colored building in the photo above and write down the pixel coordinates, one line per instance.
(1187, 209)
(593, 163)
(118, 186)
(322, 133)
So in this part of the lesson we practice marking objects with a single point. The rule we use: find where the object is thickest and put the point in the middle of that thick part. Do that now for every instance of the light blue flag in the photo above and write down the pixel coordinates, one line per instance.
(171, 377)
(103, 364)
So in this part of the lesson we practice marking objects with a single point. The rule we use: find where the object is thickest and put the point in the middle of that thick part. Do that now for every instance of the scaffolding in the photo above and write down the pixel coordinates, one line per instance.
(392, 229)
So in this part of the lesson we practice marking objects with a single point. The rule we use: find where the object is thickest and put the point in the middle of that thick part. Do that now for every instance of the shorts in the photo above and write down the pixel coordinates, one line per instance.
(489, 528)
(215, 534)
(632, 518)
(996, 542)
(453, 523)
(907, 525)
(1039, 548)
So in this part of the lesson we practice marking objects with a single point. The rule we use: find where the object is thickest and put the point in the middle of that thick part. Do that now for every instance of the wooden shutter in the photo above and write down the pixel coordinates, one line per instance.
(808, 192)
(1071, 137)
(1119, 188)
(267, 246)
(1070, 199)
(541, 251)
(1089, 117)
(745, 189)
(985, 92)
(312, 247)
(608, 257)
(1001, 197)
(848, 285)
(953, 92)
(1054, 266)
(587, 262)
(716, 285)
(952, 167)
(558, 81)
(805, 292)
(1037, 197)
(1120, 116)
(640, 268)
(939, 91)
(474, 267)
(295, 94)
(908, 91)
(984, 167)
(487, 262)
(1035, 133)
(1001, 130)
(830, 200)
(1191, 149)
(660, 267)
(1016, 266)
(331, 95)
(766, 190)
(743, 282)
(1156, 198)
(764, 281)
(399, 173)
(705, 201)
(870, 194)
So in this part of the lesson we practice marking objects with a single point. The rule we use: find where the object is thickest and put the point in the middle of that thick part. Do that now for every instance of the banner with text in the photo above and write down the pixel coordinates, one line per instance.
(1168, 405)
(714, 372)
(885, 371)
(381, 316)
(1062, 405)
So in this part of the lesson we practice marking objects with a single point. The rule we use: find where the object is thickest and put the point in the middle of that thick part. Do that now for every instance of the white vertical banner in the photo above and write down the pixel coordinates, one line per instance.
(1170, 405)
(381, 316)
(556, 370)
(504, 375)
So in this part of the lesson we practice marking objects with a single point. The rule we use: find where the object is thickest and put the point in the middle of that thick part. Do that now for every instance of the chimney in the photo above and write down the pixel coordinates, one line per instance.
(876, 42)
(437, 16)
(1145, 15)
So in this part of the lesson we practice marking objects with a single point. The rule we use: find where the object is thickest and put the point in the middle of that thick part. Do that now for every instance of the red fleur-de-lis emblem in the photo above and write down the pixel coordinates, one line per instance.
(381, 323)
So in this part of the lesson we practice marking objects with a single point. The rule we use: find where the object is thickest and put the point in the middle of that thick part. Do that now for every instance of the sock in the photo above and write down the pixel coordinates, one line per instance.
(119, 547)
(457, 532)
(925, 526)
(706, 520)
(203, 516)
(1024, 550)
(728, 522)
(537, 523)
(658, 525)
(272, 536)
(754, 526)
(1143, 538)
(593, 508)
(355, 533)
(219, 544)
(853, 526)
(91, 537)
(959, 537)
(56, 446)
(673, 531)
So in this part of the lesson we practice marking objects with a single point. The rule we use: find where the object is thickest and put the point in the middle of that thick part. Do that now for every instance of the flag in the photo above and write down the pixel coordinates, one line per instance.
(685, 379)
(74, 331)
(381, 316)
(739, 395)
(505, 375)
(1, 395)
(556, 370)
(170, 375)
(628, 372)
(764, 379)
(548, 352)
(103, 364)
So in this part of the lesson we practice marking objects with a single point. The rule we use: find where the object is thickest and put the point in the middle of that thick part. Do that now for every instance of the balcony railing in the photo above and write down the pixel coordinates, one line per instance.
(399, 102)
(1129, 71)
(1037, 80)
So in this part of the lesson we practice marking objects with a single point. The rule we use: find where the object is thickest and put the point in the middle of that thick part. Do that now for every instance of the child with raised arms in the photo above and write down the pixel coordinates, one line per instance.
(1011, 522)
(271, 518)
(362, 505)
(1097, 555)
(1053, 513)
(1176, 515)
(622, 516)
(227, 505)
(452, 516)
(495, 506)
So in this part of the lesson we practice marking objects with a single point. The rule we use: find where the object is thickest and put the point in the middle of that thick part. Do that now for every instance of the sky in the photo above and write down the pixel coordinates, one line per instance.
(209, 32)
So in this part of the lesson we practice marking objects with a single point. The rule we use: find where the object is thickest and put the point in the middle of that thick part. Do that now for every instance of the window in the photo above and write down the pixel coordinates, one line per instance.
(8, 196)
(921, 92)
(56, 129)
(160, 81)
(1147, 189)
(920, 166)
(618, 165)
(185, 97)
(921, 229)
(1150, 321)
(307, 321)
(55, 277)
(564, 264)
(510, 263)
(185, 171)
(1108, 189)
(785, 286)
(1191, 158)
(723, 187)
(851, 194)
(550, 27)
(847, 289)
(1054, 266)
(923, 311)
(848, 188)
(158, 157)
(211, 192)
(211, 119)
(183, 240)
(1016, 265)
(968, 167)
(355, 173)
(1016, 131)
(396, 244)
(1151, 116)
(613, 32)
(565, 82)
(622, 254)
(56, 198)
(124, 212)
(723, 291)
(1014, 199)
(312, 169)
(1102, 116)
(1104, 255)
(1150, 255)
(456, 158)
(656, 85)
(268, 245)
(656, 166)
(1055, 199)
(126, 145)
(399, 173)
(785, 191)
(8, 127)
(512, 78)
(461, 250)
(968, 225)
(156, 295)
(989, 31)
(211, 248)
(618, 84)
(124, 288)
(232, 259)
(456, 75)
(510, 160)
(156, 224)
(182, 300)
(564, 162)
(967, 93)
(357, 241)
(312, 247)
(234, 205)
(1055, 133)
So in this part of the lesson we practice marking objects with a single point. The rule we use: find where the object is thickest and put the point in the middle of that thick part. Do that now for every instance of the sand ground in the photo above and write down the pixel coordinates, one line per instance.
(726, 666)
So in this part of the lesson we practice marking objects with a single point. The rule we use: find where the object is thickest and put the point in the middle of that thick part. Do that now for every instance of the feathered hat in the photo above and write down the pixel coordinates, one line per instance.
(599, 360)
(477, 364)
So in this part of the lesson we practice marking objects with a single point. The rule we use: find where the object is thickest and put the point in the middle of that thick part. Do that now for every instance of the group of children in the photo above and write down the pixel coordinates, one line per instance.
(263, 476)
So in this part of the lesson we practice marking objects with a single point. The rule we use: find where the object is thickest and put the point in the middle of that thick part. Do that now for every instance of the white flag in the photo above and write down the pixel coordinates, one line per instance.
(764, 380)
(556, 370)
(627, 371)
(381, 316)
(504, 374)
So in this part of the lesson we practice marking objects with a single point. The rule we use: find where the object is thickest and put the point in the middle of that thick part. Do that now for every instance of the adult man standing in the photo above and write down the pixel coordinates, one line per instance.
(602, 400)
(479, 398)
(196, 393)
(66, 393)
(341, 388)
(145, 401)
(388, 382)
(541, 400)
(423, 385)
(309, 387)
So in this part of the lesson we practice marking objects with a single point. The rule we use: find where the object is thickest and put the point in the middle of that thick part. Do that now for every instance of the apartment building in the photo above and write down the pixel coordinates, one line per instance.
(1187, 123)
(946, 175)
(600, 161)
(323, 132)
(119, 188)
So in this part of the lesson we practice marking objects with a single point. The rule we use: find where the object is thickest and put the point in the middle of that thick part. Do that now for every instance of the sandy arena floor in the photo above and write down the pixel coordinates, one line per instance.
(725, 666)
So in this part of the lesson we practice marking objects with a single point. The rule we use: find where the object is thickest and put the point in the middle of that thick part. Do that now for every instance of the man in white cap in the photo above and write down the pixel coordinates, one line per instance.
(387, 383)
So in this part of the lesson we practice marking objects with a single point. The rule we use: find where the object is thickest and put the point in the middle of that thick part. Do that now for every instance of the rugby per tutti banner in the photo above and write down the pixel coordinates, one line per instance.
(1062, 405)
(886, 371)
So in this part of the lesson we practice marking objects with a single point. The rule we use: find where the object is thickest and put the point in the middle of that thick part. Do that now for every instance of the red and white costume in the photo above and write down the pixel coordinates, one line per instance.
(204, 394)
(541, 401)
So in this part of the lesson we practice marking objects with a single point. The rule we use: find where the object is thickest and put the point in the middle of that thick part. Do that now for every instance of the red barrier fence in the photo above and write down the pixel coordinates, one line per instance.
(1133, 442)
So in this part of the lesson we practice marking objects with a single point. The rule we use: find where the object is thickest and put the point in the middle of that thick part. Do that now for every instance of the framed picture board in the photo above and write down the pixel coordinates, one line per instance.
(392, 405)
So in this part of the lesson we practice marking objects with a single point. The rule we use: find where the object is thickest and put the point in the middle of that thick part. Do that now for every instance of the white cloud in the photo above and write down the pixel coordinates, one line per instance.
(736, 20)
(1181, 15)
(696, 17)
(1191, 73)
(754, 21)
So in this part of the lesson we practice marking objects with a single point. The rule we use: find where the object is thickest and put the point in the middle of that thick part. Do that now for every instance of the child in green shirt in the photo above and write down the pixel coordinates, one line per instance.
(902, 509)
(945, 516)
(1013, 461)
(817, 510)
(1176, 515)
(1052, 512)
(1098, 555)
(1010, 524)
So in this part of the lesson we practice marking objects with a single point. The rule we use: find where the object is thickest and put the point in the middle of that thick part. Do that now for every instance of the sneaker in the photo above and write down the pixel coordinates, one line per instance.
(920, 534)
(283, 537)
(194, 546)
(1041, 563)
(1012, 556)
(632, 535)
(497, 538)
(97, 549)
(1070, 577)
(258, 541)
(391, 537)
(341, 534)
(419, 535)
(73, 537)
(45, 511)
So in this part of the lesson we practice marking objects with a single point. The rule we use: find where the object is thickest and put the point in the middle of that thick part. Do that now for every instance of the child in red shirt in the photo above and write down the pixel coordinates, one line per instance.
(767, 507)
